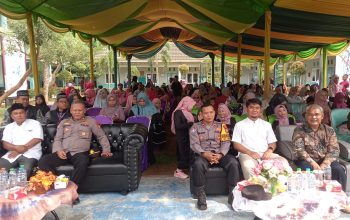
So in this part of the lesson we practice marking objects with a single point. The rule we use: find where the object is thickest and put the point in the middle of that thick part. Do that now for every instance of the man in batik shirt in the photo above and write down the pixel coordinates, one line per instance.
(316, 145)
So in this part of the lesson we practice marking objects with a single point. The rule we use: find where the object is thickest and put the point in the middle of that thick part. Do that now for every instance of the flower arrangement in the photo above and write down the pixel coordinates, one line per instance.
(272, 174)
(41, 182)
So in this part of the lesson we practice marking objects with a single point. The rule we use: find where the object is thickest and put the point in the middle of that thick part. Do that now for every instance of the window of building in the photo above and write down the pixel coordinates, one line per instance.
(154, 69)
(173, 68)
(189, 78)
(195, 78)
(332, 61)
(149, 69)
(107, 78)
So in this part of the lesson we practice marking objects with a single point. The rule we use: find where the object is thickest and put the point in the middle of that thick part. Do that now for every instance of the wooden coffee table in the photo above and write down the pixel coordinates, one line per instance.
(34, 206)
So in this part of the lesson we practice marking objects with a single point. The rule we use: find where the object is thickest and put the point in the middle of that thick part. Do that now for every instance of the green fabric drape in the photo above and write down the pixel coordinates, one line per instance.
(307, 54)
(189, 51)
(287, 58)
(335, 49)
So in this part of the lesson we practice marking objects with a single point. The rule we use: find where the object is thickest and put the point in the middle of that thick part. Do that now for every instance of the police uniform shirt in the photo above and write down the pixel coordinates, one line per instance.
(214, 138)
(75, 136)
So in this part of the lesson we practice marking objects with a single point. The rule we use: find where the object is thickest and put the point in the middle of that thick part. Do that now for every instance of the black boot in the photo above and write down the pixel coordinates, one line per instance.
(202, 199)
(230, 195)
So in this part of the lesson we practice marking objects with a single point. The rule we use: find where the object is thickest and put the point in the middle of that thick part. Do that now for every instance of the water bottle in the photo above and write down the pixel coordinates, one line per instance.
(292, 183)
(22, 176)
(299, 180)
(328, 173)
(312, 181)
(3, 179)
(12, 180)
(305, 181)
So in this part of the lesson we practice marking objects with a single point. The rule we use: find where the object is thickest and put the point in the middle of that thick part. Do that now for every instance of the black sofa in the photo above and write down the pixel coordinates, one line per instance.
(120, 173)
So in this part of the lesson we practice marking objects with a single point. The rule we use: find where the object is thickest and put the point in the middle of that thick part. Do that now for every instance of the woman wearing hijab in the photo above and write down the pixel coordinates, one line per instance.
(101, 98)
(130, 101)
(113, 109)
(196, 96)
(224, 116)
(144, 106)
(90, 95)
(181, 122)
(321, 99)
(41, 108)
(282, 117)
(339, 101)
(333, 87)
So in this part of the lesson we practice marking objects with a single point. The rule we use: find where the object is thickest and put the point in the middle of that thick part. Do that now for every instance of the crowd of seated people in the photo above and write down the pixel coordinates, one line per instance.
(194, 108)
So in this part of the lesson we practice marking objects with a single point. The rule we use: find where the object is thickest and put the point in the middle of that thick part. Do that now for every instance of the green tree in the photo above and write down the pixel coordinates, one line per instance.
(163, 55)
(53, 49)
(135, 71)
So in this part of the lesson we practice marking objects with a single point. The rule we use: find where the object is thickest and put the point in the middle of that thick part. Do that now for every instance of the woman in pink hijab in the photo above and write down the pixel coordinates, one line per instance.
(90, 95)
(181, 122)
(282, 117)
(339, 101)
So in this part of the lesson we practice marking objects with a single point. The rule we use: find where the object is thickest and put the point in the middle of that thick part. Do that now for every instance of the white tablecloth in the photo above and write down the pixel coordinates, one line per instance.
(306, 205)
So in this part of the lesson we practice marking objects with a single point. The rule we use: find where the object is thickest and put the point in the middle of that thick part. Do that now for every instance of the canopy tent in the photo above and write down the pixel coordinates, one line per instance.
(199, 27)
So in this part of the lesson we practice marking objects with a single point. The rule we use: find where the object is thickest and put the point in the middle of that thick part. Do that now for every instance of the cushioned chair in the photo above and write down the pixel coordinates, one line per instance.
(216, 182)
(146, 122)
(120, 173)
(94, 111)
(103, 120)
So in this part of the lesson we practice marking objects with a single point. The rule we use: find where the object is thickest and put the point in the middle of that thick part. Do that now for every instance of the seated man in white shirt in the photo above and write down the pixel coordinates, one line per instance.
(22, 139)
(254, 139)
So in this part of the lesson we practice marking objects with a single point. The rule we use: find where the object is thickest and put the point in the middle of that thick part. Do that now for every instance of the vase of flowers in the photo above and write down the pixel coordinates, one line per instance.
(272, 175)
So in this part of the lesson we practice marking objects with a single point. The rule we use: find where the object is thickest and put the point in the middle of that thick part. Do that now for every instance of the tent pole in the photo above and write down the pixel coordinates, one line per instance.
(284, 73)
(223, 64)
(212, 57)
(115, 65)
(239, 49)
(92, 77)
(324, 67)
(267, 54)
(128, 57)
(260, 72)
(33, 55)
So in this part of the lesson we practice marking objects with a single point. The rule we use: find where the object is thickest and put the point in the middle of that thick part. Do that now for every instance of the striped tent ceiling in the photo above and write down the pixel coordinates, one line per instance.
(197, 27)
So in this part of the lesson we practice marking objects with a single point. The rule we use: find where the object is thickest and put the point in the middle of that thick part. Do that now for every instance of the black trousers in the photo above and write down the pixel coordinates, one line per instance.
(338, 172)
(201, 165)
(80, 162)
(183, 151)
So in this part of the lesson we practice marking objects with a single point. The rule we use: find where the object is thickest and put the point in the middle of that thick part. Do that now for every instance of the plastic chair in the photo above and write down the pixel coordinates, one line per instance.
(103, 120)
(239, 118)
(339, 116)
(93, 111)
(146, 121)
(272, 118)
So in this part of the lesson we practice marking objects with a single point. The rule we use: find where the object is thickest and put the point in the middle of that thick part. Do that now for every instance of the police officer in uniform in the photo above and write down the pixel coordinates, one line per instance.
(22, 98)
(72, 144)
(210, 140)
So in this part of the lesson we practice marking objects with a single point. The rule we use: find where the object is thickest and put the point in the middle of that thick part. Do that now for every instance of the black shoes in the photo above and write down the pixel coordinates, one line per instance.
(76, 202)
(202, 199)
